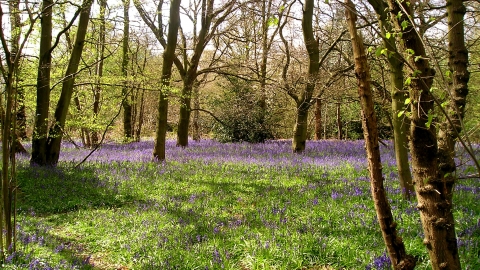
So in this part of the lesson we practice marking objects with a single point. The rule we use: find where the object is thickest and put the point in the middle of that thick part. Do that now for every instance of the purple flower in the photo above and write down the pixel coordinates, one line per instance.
(336, 195)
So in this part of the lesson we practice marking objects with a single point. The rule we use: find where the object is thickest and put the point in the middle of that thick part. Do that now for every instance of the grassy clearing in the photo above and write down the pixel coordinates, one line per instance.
(214, 206)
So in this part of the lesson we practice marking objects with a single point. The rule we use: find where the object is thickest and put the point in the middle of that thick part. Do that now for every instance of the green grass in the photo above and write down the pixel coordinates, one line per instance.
(198, 215)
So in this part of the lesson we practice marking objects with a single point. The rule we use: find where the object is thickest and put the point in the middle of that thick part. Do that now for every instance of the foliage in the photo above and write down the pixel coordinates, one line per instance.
(220, 206)
(242, 118)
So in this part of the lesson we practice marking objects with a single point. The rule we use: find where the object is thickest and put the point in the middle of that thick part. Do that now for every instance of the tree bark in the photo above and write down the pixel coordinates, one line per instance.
(56, 130)
(339, 122)
(318, 119)
(300, 130)
(168, 58)
(458, 90)
(99, 70)
(196, 114)
(303, 104)
(400, 126)
(39, 137)
(396, 249)
(433, 196)
(127, 106)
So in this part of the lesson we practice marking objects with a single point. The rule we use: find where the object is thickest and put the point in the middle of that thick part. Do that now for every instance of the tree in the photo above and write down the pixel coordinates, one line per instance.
(9, 69)
(210, 19)
(396, 249)
(46, 146)
(169, 46)
(303, 102)
(39, 137)
(127, 106)
(399, 95)
(99, 69)
(433, 188)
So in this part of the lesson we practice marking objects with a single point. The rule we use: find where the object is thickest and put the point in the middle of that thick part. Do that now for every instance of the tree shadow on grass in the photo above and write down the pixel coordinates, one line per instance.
(49, 190)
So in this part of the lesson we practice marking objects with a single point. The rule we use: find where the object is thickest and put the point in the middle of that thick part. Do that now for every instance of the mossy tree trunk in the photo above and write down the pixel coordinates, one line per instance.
(99, 70)
(126, 92)
(318, 119)
(168, 58)
(56, 130)
(39, 137)
(458, 90)
(303, 102)
(399, 95)
(432, 188)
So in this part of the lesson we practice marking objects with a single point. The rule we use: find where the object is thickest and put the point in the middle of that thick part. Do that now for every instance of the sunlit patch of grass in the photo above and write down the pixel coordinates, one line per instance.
(209, 213)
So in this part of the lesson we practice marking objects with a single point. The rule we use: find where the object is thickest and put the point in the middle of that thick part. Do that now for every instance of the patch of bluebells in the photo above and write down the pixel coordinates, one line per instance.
(381, 262)
(273, 155)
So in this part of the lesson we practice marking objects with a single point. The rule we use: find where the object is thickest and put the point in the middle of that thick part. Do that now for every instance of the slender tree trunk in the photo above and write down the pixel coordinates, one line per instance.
(325, 122)
(318, 119)
(396, 249)
(300, 129)
(433, 196)
(458, 90)
(39, 137)
(56, 131)
(196, 113)
(303, 104)
(138, 130)
(399, 95)
(15, 29)
(127, 106)
(99, 70)
(339, 122)
(185, 110)
(168, 57)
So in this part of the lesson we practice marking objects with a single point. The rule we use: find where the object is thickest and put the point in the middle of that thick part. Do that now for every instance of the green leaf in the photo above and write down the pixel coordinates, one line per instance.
(388, 35)
(404, 25)
(273, 21)
(410, 51)
(430, 119)
(400, 113)
(408, 81)
(416, 73)
(444, 104)
(448, 73)
(399, 15)
(418, 57)
(407, 101)
(378, 51)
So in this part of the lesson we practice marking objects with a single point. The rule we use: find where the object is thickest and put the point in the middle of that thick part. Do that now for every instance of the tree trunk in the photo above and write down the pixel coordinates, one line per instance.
(303, 104)
(400, 127)
(325, 122)
(184, 119)
(300, 129)
(396, 249)
(433, 196)
(339, 123)
(99, 70)
(458, 90)
(138, 130)
(168, 57)
(196, 113)
(127, 106)
(39, 137)
(15, 30)
(318, 119)
(56, 131)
